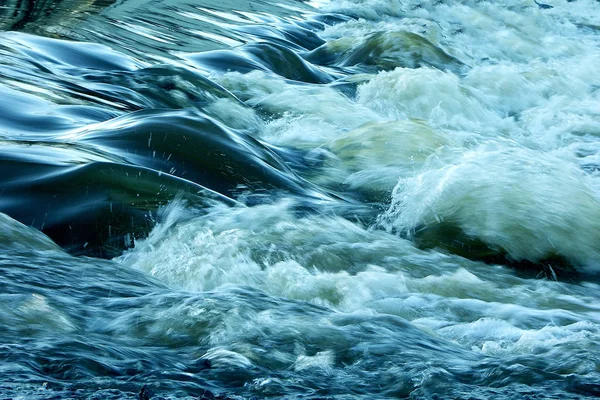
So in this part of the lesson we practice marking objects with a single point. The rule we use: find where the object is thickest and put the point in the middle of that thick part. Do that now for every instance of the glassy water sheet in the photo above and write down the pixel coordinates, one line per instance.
(340, 199)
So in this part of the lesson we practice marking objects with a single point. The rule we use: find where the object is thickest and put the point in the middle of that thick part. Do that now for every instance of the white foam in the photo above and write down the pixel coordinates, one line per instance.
(322, 361)
(33, 312)
(235, 115)
(221, 357)
(376, 155)
(268, 248)
(432, 95)
(530, 204)
(370, 10)
(321, 103)
(496, 151)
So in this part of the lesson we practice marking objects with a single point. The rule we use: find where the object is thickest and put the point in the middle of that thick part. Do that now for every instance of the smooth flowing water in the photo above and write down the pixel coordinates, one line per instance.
(340, 199)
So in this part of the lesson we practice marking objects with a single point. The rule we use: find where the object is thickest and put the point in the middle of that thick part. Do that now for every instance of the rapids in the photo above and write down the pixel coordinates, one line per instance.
(328, 199)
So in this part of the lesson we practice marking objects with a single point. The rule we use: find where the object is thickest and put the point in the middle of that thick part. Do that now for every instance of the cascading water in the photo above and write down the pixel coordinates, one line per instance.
(335, 199)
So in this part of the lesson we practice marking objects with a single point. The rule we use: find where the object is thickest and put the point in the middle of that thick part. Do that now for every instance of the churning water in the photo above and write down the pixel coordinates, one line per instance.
(340, 199)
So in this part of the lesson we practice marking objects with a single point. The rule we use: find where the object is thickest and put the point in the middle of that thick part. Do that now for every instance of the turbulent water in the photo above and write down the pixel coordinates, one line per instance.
(342, 199)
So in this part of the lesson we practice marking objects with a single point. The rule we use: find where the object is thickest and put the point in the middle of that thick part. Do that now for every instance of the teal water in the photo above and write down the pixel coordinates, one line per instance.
(306, 200)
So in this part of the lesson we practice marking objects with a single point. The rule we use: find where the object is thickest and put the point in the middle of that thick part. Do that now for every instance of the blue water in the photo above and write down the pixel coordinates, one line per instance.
(340, 199)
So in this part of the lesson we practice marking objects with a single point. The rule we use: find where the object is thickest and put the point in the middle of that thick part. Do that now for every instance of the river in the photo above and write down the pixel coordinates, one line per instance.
(328, 199)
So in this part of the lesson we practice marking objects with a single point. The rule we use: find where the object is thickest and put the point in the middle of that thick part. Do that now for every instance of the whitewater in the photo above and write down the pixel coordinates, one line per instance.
(333, 199)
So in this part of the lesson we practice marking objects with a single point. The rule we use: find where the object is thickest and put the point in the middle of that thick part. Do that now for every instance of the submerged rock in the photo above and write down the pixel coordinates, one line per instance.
(386, 51)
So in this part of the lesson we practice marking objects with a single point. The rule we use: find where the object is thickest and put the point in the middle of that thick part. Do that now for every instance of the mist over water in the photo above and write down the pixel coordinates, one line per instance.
(337, 199)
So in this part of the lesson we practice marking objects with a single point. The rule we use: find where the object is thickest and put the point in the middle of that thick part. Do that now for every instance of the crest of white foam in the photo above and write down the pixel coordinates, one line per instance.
(360, 28)
(513, 88)
(375, 155)
(322, 361)
(33, 312)
(293, 102)
(333, 262)
(235, 115)
(221, 357)
(530, 204)
(430, 94)
(498, 338)
(322, 260)
(368, 9)
(521, 31)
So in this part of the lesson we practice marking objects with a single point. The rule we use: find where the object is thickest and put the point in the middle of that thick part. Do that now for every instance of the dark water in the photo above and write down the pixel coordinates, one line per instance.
(337, 200)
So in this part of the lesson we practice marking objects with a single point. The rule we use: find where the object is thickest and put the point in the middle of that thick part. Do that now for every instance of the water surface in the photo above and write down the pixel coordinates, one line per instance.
(337, 199)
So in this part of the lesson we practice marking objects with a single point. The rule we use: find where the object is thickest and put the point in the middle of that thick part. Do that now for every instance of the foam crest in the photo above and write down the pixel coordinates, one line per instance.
(375, 155)
(323, 361)
(356, 29)
(275, 96)
(370, 10)
(430, 94)
(513, 88)
(521, 30)
(33, 313)
(235, 115)
(322, 260)
(527, 204)
(289, 259)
